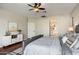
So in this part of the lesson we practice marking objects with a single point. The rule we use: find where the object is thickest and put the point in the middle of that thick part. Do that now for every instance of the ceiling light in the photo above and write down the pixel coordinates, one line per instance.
(36, 9)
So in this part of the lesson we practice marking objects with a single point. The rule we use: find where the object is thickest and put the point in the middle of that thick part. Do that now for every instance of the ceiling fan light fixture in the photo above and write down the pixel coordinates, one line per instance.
(36, 9)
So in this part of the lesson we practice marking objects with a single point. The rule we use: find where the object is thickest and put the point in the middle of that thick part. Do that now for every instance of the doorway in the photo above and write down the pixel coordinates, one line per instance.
(31, 29)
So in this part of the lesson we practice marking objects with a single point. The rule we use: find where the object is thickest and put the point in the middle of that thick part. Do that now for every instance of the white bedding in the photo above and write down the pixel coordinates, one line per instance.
(43, 46)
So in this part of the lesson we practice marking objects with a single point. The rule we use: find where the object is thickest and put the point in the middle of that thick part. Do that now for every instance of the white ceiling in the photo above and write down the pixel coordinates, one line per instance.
(51, 8)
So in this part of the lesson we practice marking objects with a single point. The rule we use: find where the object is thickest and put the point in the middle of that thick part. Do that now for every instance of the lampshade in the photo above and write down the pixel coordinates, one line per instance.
(70, 29)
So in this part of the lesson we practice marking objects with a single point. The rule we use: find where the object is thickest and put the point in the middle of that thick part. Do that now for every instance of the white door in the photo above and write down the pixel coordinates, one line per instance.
(31, 29)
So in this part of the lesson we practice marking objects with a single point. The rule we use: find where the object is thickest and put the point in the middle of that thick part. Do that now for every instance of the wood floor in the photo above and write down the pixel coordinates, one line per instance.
(5, 50)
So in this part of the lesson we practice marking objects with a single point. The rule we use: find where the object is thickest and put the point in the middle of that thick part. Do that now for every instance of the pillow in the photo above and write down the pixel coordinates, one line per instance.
(71, 41)
(68, 42)
(64, 39)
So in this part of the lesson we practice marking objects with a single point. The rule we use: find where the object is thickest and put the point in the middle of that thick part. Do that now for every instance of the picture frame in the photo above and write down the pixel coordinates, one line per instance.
(12, 26)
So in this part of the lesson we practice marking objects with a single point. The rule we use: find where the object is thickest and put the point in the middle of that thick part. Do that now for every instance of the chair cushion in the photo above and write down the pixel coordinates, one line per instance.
(70, 40)
(64, 39)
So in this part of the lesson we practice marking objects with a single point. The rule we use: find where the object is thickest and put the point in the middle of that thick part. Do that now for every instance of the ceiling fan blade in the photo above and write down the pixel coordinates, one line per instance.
(31, 9)
(41, 8)
(30, 5)
(43, 16)
(39, 4)
(36, 5)
(37, 11)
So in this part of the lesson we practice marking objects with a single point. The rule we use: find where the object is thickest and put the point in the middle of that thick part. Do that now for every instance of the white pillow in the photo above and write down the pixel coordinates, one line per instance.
(69, 42)
(64, 39)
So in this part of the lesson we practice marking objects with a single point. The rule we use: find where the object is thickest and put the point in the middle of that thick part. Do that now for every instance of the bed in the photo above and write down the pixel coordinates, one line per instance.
(44, 46)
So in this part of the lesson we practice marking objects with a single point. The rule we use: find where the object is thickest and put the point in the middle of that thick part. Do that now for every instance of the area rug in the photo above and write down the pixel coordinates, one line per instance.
(18, 51)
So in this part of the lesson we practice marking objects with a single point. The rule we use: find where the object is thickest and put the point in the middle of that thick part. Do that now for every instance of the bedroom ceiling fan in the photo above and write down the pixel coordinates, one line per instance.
(36, 7)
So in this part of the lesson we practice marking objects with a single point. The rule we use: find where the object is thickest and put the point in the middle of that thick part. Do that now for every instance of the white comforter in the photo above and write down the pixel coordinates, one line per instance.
(44, 46)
